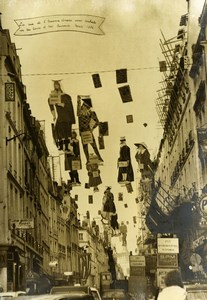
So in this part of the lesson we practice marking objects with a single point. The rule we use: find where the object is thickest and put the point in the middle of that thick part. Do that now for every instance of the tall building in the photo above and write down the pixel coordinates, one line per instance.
(24, 241)
(177, 210)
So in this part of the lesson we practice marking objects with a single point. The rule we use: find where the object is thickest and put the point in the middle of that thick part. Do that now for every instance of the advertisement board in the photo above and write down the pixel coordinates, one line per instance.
(137, 260)
(137, 271)
(22, 224)
(167, 260)
(167, 245)
(161, 273)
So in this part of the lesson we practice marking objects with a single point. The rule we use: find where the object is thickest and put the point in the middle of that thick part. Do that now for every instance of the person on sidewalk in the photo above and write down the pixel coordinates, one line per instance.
(174, 287)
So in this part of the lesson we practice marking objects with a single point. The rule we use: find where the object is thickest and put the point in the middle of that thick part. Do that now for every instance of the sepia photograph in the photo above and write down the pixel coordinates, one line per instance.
(103, 149)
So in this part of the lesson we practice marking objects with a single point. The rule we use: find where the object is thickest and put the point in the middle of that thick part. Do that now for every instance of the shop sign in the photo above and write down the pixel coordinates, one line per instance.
(203, 206)
(161, 273)
(137, 271)
(198, 241)
(167, 245)
(22, 224)
(137, 260)
(167, 260)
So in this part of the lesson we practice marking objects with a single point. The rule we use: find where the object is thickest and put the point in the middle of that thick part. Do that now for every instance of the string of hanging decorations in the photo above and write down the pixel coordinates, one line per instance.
(86, 72)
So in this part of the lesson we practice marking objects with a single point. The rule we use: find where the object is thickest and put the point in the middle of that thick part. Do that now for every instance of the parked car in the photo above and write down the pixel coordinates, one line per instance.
(196, 291)
(8, 295)
(114, 294)
(59, 297)
(95, 293)
(79, 289)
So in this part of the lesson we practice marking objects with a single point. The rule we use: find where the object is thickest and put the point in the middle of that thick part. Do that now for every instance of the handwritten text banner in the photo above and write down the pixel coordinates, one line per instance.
(46, 24)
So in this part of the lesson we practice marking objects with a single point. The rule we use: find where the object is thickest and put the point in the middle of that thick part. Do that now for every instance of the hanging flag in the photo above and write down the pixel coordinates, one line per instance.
(183, 20)
(177, 48)
(101, 142)
(103, 128)
(129, 187)
(90, 199)
(181, 34)
(125, 93)
(87, 186)
(136, 200)
(88, 214)
(121, 76)
(96, 80)
(163, 66)
(120, 197)
(129, 119)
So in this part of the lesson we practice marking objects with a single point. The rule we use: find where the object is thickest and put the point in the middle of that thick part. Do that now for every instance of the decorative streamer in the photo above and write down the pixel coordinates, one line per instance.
(129, 119)
(90, 199)
(96, 80)
(121, 76)
(125, 93)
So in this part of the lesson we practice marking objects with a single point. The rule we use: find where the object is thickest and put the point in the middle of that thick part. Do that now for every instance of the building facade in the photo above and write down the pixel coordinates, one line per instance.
(39, 225)
(175, 201)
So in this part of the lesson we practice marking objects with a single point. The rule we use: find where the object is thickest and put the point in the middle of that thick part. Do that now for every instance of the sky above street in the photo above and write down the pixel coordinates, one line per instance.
(128, 38)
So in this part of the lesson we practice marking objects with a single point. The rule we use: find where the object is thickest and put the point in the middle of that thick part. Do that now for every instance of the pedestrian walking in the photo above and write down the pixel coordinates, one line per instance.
(174, 288)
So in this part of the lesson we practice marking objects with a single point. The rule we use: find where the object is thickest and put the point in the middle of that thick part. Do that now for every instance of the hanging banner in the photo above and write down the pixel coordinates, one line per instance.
(120, 196)
(163, 66)
(54, 23)
(121, 76)
(167, 245)
(103, 128)
(129, 187)
(101, 142)
(90, 199)
(22, 224)
(129, 118)
(96, 80)
(125, 93)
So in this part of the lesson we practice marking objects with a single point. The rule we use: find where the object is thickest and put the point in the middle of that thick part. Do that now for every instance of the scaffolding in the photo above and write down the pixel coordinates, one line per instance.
(174, 87)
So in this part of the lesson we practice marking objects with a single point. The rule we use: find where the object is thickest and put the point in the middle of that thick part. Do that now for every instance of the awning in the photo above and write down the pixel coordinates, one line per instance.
(180, 219)
(31, 275)
(157, 221)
